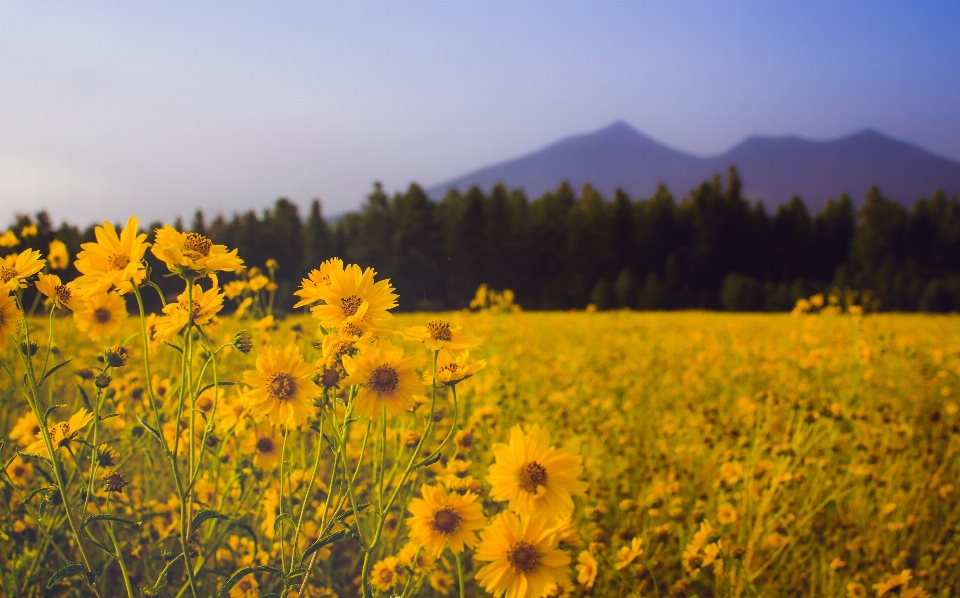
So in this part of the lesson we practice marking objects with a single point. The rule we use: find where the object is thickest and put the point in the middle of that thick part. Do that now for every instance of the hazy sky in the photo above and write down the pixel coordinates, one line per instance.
(109, 108)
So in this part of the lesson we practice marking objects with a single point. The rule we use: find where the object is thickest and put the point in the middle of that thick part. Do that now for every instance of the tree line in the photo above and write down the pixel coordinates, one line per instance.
(712, 249)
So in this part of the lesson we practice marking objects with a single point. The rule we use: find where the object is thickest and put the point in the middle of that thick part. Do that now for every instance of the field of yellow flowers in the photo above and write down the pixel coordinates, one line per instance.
(349, 452)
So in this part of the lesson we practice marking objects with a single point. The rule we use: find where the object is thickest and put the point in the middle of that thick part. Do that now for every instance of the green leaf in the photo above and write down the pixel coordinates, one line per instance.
(328, 539)
(53, 370)
(86, 399)
(36, 492)
(50, 410)
(211, 385)
(68, 571)
(428, 461)
(225, 590)
(151, 430)
(116, 518)
(349, 512)
(173, 346)
(206, 515)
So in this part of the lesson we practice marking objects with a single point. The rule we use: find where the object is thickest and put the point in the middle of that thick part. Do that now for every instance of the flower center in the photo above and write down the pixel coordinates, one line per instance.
(118, 261)
(451, 367)
(7, 274)
(531, 476)
(245, 586)
(199, 243)
(384, 379)
(386, 576)
(265, 445)
(280, 386)
(352, 329)
(102, 315)
(350, 305)
(445, 521)
(62, 292)
(524, 557)
(439, 330)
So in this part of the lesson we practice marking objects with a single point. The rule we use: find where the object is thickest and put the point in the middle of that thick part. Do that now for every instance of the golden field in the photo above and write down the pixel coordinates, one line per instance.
(820, 452)
(348, 452)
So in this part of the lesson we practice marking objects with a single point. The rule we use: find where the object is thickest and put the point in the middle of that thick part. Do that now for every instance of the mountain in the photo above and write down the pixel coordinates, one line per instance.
(773, 169)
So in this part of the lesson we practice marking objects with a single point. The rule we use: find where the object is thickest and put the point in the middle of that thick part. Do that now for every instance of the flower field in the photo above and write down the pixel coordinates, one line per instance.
(351, 451)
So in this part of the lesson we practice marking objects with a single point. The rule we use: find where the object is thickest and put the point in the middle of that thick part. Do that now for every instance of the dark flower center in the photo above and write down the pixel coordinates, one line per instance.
(199, 243)
(524, 557)
(384, 379)
(280, 386)
(350, 305)
(118, 261)
(102, 315)
(531, 476)
(439, 330)
(265, 445)
(446, 521)
(62, 292)
(7, 274)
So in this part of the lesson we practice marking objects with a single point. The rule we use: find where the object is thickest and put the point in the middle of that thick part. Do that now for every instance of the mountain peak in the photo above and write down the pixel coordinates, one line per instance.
(773, 169)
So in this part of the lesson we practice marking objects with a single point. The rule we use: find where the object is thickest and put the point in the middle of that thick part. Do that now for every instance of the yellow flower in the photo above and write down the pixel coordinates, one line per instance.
(440, 518)
(438, 334)
(264, 445)
(26, 429)
(19, 470)
(10, 316)
(234, 288)
(534, 476)
(103, 317)
(9, 239)
(63, 295)
(114, 260)
(243, 307)
(258, 282)
(16, 268)
(206, 304)
(453, 368)
(726, 514)
(316, 279)
(523, 556)
(61, 433)
(353, 298)
(587, 569)
(627, 554)
(385, 574)
(28, 231)
(278, 387)
(893, 582)
(193, 253)
(389, 380)
(245, 588)
(57, 256)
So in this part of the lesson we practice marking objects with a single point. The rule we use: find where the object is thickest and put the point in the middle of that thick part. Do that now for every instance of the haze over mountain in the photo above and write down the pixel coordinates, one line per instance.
(773, 169)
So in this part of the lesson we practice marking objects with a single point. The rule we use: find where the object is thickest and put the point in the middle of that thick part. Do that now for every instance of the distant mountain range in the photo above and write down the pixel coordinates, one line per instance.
(773, 169)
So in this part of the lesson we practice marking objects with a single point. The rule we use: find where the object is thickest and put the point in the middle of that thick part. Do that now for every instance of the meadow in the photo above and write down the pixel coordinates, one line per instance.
(489, 451)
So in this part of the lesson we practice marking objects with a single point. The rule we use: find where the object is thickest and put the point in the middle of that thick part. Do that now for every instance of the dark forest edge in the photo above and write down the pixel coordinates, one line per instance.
(714, 249)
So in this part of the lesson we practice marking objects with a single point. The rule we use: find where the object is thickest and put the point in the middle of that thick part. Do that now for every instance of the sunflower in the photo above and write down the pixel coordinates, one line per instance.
(206, 304)
(438, 334)
(389, 379)
(308, 291)
(385, 574)
(63, 295)
(587, 569)
(534, 476)
(278, 387)
(26, 429)
(103, 317)
(9, 239)
(193, 253)
(453, 368)
(113, 260)
(628, 554)
(263, 443)
(9, 318)
(57, 256)
(439, 518)
(353, 298)
(245, 588)
(61, 433)
(523, 556)
(17, 267)
(19, 470)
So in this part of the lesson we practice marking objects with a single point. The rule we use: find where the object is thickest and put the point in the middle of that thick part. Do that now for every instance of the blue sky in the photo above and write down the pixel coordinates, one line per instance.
(157, 108)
